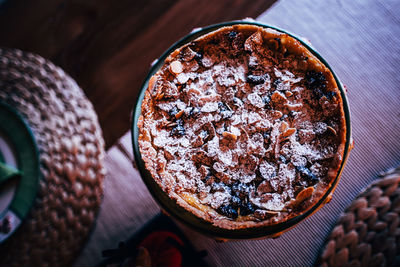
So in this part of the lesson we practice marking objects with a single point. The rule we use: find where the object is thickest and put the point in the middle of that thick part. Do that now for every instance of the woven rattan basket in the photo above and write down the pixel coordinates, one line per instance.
(71, 150)
(368, 232)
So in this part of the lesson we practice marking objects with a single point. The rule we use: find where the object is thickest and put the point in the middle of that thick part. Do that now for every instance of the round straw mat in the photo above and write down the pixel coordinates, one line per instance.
(368, 232)
(71, 151)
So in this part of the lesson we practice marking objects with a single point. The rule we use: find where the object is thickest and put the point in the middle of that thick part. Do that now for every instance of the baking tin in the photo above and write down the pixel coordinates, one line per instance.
(169, 205)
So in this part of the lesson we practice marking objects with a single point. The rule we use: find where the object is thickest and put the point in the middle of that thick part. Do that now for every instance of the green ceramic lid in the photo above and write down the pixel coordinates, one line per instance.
(19, 170)
(190, 219)
(7, 172)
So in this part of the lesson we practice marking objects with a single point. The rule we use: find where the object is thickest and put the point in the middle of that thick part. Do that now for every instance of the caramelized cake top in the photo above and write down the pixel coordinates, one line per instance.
(243, 127)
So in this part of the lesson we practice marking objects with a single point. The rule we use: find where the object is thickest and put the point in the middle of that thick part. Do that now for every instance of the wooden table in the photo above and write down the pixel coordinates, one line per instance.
(107, 46)
(361, 41)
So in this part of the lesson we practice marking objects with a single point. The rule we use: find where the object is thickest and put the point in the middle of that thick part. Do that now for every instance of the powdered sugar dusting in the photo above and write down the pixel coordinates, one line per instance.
(255, 100)
(240, 136)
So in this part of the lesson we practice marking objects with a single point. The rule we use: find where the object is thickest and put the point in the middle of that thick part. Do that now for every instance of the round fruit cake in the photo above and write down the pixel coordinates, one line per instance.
(243, 127)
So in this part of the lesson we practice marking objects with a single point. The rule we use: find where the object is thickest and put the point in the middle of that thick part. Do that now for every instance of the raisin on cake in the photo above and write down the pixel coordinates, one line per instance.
(243, 127)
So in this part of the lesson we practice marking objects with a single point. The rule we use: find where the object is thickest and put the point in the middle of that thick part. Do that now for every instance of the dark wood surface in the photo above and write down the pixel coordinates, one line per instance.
(107, 46)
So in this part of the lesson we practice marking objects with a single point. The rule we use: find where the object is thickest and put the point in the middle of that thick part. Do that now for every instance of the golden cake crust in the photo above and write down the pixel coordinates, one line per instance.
(243, 127)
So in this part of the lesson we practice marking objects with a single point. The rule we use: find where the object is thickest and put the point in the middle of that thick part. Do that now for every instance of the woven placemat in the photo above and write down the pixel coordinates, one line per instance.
(368, 232)
(71, 151)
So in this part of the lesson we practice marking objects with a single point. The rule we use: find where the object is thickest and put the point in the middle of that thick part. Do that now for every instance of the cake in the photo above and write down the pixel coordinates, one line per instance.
(243, 127)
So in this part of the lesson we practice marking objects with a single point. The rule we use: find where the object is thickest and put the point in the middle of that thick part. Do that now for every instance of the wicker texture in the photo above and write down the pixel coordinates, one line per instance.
(368, 232)
(71, 161)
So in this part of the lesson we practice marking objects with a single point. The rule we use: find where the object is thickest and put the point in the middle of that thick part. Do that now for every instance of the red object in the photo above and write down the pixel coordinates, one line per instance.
(162, 251)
